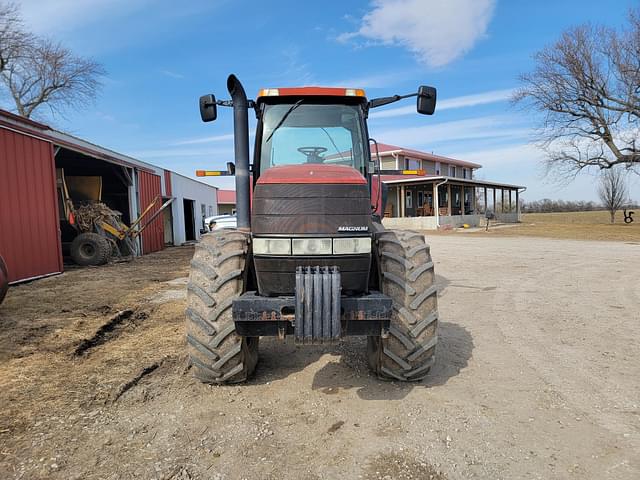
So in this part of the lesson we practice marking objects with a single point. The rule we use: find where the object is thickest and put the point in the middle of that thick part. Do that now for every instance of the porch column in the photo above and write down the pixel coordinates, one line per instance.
(517, 206)
(449, 199)
(402, 200)
(398, 198)
(495, 204)
(486, 201)
(436, 204)
(474, 204)
(510, 204)
(502, 199)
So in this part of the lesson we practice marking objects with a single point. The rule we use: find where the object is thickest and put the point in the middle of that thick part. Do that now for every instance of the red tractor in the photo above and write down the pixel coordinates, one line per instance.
(310, 257)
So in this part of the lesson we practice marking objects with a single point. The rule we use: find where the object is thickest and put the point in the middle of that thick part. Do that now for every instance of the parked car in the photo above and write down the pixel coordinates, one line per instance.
(4, 279)
(218, 222)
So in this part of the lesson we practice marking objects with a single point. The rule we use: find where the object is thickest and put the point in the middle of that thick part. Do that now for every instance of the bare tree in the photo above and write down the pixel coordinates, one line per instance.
(38, 72)
(613, 191)
(13, 39)
(587, 86)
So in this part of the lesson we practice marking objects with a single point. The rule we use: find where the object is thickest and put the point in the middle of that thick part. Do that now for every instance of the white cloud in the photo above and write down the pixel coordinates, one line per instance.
(295, 68)
(492, 96)
(515, 155)
(169, 73)
(484, 98)
(181, 153)
(201, 140)
(479, 128)
(436, 31)
(380, 80)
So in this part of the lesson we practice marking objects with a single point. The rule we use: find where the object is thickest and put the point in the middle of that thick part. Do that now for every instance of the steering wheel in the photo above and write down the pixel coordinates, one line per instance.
(313, 153)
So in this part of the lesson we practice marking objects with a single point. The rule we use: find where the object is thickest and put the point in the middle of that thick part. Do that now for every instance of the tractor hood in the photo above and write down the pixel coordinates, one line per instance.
(312, 174)
(311, 199)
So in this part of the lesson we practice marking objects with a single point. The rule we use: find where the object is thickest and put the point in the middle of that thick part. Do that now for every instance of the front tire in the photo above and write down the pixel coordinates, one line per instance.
(218, 354)
(90, 249)
(408, 352)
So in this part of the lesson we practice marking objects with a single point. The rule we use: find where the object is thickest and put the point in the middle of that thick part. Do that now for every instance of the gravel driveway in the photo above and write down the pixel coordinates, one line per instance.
(538, 376)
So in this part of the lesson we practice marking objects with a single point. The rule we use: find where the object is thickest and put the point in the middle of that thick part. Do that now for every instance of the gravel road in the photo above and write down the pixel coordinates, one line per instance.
(537, 376)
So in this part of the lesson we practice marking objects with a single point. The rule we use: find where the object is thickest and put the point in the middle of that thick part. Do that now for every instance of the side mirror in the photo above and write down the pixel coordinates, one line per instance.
(231, 168)
(426, 103)
(208, 108)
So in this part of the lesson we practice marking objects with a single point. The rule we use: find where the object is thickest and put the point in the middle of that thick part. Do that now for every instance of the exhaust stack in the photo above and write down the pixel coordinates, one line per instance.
(241, 148)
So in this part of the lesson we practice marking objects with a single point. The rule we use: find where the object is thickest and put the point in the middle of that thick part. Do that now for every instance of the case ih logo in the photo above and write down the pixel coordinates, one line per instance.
(350, 228)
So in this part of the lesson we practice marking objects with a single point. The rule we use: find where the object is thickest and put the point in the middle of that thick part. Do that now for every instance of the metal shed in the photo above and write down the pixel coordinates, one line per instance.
(30, 227)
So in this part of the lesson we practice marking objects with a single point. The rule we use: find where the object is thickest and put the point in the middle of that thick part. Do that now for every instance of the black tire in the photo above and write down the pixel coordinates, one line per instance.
(218, 355)
(4, 279)
(90, 249)
(408, 352)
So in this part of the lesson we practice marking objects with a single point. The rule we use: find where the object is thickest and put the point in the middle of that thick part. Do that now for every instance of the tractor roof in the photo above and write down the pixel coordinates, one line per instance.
(311, 92)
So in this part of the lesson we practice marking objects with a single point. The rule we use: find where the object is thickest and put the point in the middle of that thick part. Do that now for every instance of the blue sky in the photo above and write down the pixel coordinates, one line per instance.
(162, 55)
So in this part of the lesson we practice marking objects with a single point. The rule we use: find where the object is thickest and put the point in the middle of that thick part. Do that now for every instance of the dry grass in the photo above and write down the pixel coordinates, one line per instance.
(573, 225)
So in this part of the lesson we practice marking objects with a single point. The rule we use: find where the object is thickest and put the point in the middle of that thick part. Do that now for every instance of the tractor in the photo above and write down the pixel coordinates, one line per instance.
(310, 258)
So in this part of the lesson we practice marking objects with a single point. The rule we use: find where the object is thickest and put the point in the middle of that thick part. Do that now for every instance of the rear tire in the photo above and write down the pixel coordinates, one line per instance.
(408, 352)
(217, 353)
(90, 249)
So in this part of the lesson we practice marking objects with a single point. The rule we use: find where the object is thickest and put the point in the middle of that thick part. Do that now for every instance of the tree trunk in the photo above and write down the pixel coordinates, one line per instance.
(613, 215)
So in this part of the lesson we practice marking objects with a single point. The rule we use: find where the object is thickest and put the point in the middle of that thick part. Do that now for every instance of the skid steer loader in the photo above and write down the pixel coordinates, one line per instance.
(309, 257)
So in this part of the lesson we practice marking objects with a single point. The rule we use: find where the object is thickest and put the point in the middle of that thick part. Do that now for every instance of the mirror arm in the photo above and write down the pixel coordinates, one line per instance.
(378, 102)
(229, 103)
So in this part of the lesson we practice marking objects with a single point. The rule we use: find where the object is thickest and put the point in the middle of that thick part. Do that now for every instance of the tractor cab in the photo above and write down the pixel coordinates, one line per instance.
(311, 126)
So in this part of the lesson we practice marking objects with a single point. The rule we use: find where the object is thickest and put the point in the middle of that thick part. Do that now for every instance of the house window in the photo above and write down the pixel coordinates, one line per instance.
(420, 199)
(409, 201)
(452, 170)
(411, 164)
(464, 173)
(437, 168)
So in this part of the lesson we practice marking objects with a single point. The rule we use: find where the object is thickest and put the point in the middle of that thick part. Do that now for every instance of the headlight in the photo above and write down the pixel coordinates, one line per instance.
(272, 246)
(312, 246)
(346, 246)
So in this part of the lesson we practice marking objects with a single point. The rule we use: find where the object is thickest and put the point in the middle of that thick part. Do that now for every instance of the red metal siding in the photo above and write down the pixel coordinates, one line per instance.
(150, 187)
(29, 225)
(167, 184)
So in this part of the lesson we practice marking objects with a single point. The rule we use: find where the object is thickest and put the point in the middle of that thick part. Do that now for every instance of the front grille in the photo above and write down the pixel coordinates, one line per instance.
(317, 316)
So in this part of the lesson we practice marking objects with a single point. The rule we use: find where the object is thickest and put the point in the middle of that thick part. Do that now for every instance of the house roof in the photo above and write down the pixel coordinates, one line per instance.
(387, 149)
(226, 197)
(393, 178)
(410, 179)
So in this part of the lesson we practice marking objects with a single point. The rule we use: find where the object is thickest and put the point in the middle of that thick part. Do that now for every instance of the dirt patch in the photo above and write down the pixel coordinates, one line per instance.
(394, 466)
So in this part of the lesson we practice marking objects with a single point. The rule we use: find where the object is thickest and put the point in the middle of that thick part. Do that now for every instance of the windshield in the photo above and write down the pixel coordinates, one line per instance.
(297, 133)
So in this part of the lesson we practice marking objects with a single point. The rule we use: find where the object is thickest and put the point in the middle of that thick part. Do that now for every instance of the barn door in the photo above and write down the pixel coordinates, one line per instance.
(29, 225)
(150, 189)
